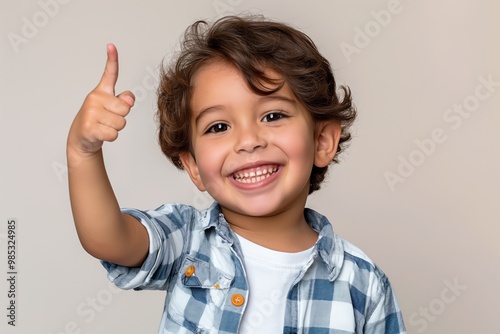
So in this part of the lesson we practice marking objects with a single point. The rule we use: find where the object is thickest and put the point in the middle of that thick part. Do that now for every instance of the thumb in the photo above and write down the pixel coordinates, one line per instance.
(128, 97)
(110, 75)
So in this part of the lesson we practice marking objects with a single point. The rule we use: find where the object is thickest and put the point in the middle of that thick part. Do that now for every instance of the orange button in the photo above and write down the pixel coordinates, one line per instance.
(217, 286)
(237, 299)
(190, 271)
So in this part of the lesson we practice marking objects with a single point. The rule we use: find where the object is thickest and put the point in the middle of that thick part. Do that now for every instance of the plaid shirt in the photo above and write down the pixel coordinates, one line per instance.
(197, 259)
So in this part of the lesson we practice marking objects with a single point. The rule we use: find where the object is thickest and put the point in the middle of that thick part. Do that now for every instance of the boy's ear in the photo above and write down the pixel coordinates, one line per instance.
(327, 141)
(191, 168)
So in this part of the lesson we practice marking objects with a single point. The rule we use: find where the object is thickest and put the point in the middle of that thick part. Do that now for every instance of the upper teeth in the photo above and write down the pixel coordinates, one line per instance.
(255, 176)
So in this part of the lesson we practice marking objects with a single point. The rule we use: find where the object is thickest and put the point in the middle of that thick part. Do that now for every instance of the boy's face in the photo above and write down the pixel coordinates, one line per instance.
(252, 153)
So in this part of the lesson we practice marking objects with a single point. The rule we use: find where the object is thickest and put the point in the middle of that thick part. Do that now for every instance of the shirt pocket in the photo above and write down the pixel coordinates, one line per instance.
(196, 302)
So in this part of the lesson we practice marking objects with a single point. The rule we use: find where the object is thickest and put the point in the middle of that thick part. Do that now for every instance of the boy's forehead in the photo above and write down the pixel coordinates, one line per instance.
(221, 68)
(218, 81)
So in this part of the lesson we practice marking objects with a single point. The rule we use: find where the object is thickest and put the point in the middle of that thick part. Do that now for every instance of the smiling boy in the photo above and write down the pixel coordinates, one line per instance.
(255, 154)
(250, 110)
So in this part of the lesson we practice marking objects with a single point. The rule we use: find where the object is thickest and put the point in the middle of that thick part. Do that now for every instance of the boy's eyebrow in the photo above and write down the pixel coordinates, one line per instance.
(265, 98)
(279, 98)
(207, 110)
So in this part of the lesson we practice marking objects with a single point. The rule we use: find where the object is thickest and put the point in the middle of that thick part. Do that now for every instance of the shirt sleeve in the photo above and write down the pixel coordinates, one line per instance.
(167, 228)
(385, 315)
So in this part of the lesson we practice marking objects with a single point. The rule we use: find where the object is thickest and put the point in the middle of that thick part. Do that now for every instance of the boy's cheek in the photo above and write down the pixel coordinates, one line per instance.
(210, 185)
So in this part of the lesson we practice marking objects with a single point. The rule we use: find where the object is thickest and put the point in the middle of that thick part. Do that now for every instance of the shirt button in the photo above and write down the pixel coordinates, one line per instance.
(190, 271)
(237, 299)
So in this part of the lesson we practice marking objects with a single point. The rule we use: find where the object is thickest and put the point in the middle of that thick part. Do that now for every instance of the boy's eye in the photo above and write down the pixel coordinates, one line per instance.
(219, 127)
(273, 116)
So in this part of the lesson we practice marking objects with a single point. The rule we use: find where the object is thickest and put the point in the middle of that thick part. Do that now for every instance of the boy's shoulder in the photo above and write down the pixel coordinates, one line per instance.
(178, 212)
(359, 258)
(357, 255)
(362, 273)
(179, 217)
(353, 262)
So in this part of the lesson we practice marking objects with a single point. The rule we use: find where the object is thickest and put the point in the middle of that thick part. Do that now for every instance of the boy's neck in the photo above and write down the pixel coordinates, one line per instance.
(285, 231)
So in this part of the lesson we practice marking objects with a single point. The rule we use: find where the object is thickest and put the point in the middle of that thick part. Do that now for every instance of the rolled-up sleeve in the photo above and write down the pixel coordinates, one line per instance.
(167, 229)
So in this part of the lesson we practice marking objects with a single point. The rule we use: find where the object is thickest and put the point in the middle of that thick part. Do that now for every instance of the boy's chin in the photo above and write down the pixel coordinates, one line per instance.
(251, 209)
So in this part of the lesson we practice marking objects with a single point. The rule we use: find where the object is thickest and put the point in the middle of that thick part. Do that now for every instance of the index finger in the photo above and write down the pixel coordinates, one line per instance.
(110, 75)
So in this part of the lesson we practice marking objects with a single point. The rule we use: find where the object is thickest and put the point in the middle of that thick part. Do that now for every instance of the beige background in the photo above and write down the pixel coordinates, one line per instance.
(434, 231)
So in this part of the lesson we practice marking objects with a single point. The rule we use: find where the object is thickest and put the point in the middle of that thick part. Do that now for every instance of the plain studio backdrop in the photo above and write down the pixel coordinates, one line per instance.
(418, 189)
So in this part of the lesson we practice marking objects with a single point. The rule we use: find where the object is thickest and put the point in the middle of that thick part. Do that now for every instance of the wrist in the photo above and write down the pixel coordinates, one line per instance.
(75, 156)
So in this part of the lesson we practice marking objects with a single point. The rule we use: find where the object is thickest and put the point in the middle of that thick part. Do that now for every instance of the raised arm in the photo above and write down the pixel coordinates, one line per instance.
(103, 230)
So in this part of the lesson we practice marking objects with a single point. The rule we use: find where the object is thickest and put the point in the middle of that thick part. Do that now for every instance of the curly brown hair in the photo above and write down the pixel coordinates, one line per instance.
(252, 44)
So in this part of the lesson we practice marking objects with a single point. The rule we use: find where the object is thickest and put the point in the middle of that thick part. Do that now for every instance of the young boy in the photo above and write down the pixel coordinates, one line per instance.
(250, 111)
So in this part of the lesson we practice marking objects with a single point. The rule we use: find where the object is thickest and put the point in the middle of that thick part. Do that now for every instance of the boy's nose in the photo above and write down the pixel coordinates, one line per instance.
(250, 138)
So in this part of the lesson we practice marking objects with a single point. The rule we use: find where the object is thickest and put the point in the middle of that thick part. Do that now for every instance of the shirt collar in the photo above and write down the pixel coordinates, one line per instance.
(212, 217)
(329, 246)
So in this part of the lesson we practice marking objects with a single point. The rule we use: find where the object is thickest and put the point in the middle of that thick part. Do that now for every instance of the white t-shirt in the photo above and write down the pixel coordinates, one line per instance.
(270, 275)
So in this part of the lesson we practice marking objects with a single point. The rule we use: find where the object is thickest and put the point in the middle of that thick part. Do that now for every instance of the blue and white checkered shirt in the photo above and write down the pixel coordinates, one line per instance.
(197, 259)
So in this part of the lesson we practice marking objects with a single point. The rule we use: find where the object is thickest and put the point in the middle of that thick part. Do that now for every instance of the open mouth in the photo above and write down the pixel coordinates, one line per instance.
(253, 175)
